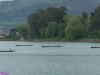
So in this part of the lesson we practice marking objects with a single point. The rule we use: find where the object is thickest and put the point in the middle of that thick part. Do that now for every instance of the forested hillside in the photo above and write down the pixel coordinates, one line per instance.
(54, 23)
(15, 13)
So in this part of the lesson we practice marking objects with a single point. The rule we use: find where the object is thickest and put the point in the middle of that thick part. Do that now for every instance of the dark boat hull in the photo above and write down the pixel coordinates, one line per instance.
(52, 46)
(24, 45)
(95, 47)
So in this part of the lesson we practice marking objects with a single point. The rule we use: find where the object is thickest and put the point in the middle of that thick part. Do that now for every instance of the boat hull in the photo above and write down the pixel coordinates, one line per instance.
(7, 51)
(51, 46)
(95, 47)
(24, 45)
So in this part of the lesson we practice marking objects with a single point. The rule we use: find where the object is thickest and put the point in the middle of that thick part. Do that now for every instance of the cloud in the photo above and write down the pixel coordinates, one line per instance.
(6, 0)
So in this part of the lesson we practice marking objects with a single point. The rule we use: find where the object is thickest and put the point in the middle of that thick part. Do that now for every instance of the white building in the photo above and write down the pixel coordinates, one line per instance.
(3, 33)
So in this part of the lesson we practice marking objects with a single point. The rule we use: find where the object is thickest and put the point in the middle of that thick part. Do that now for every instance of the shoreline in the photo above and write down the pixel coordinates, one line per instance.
(58, 40)
(79, 40)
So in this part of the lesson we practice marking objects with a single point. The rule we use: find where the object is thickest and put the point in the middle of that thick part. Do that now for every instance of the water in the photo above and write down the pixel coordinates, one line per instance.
(75, 58)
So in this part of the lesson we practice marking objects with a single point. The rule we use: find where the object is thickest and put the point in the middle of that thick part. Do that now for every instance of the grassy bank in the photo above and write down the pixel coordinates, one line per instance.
(65, 40)
(53, 39)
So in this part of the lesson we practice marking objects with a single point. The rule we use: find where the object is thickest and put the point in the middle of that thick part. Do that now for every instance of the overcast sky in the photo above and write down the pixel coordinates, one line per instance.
(6, 0)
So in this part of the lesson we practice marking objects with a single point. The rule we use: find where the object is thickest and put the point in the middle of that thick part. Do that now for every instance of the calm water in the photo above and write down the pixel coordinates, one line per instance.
(75, 58)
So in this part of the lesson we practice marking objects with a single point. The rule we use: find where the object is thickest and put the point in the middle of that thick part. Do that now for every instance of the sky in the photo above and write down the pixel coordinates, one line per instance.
(6, 0)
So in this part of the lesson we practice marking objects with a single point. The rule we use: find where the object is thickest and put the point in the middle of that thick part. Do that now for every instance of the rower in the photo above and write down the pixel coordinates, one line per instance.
(9, 49)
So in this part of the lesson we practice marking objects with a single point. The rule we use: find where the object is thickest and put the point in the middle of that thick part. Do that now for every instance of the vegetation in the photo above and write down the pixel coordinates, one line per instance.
(17, 11)
(56, 23)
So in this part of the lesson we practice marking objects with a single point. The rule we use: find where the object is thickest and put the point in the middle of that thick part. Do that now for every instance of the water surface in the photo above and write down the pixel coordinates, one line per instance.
(75, 58)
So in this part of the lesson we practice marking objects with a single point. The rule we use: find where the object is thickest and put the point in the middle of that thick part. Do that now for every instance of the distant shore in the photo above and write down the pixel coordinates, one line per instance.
(56, 40)
(79, 40)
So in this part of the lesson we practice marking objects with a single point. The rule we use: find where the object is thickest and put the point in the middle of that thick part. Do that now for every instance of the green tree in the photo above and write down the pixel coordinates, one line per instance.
(23, 31)
(43, 32)
(44, 19)
(12, 32)
(74, 29)
(58, 13)
(62, 12)
(52, 29)
(95, 19)
(84, 17)
(66, 18)
(41, 18)
(61, 32)
(33, 28)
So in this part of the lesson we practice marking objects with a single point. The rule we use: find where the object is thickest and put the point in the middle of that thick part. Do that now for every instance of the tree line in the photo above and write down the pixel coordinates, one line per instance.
(55, 22)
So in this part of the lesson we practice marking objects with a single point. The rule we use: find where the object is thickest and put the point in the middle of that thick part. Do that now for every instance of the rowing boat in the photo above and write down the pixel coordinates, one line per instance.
(24, 45)
(52, 46)
(7, 50)
(95, 47)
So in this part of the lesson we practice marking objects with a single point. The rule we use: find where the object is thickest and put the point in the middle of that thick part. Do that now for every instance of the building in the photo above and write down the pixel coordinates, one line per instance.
(3, 33)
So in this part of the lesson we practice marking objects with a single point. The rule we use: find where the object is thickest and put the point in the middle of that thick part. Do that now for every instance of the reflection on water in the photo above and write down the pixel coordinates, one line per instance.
(75, 58)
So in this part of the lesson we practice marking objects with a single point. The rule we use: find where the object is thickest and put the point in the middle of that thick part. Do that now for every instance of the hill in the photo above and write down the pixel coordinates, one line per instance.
(15, 13)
